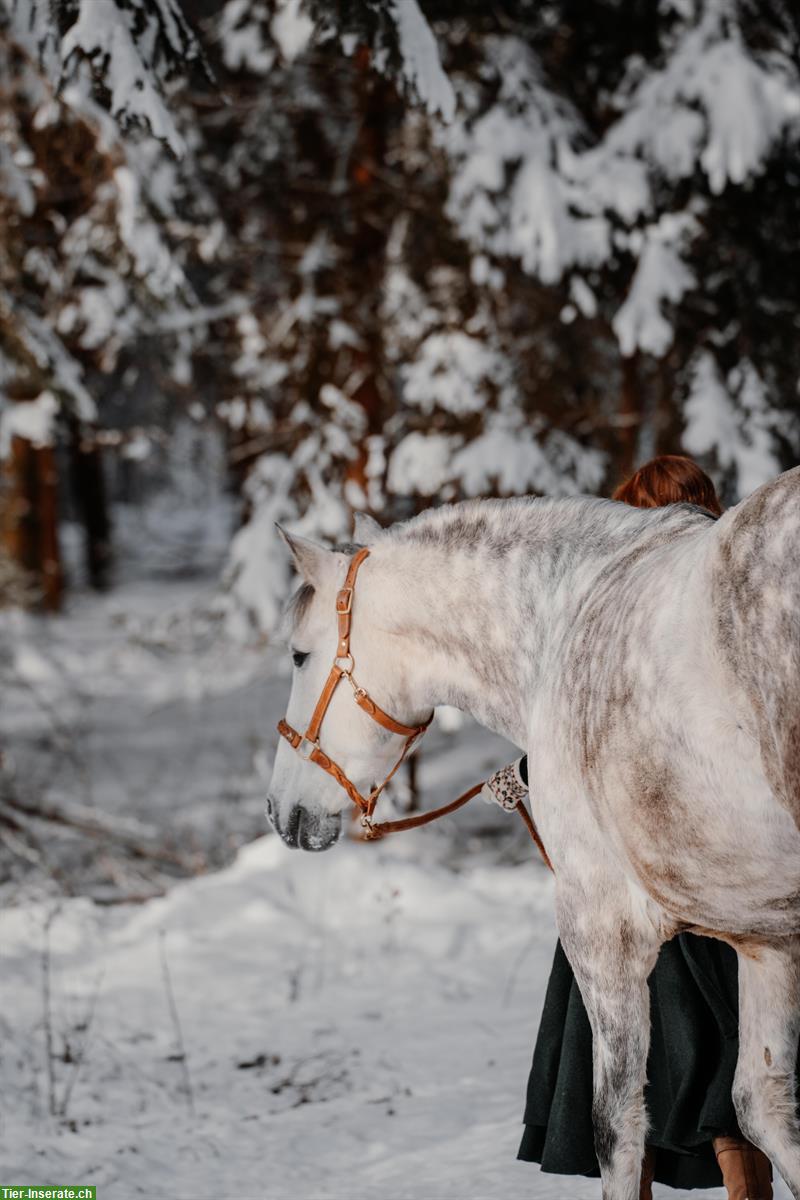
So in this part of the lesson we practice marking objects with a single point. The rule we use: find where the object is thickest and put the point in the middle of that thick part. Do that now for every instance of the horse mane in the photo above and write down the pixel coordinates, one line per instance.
(497, 526)
(501, 523)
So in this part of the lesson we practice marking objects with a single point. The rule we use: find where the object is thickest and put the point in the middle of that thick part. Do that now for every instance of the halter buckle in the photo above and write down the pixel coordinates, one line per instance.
(306, 747)
(344, 601)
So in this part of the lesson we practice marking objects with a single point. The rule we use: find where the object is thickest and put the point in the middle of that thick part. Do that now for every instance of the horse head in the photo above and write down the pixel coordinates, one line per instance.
(343, 735)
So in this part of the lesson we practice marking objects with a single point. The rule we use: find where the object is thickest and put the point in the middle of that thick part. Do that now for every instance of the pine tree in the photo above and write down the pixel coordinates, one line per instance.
(411, 250)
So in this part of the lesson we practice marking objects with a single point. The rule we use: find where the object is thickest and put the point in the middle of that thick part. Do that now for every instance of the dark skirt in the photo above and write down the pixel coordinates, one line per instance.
(694, 1009)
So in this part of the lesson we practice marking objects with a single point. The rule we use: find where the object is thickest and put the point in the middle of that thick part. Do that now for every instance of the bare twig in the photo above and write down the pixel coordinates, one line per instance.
(47, 1011)
(27, 845)
(19, 847)
(121, 898)
(176, 1021)
(139, 839)
(513, 974)
(81, 1054)
(63, 734)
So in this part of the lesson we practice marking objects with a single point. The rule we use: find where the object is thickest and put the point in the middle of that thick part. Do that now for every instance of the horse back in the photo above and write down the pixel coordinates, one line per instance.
(756, 609)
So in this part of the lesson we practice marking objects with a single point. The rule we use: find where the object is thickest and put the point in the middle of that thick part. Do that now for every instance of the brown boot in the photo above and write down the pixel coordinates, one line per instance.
(648, 1172)
(746, 1170)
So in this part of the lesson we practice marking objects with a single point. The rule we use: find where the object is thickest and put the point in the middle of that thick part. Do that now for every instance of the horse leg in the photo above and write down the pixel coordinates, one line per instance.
(769, 1027)
(612, 951)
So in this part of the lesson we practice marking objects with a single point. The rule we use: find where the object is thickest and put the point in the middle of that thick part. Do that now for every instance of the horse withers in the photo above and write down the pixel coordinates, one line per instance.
(649, 663)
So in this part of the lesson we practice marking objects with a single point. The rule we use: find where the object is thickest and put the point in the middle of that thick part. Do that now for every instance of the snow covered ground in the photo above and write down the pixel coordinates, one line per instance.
(355, 1025)
(346, 1026)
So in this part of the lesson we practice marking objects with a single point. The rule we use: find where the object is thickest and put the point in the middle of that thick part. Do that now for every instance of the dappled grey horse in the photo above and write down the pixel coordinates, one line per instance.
(649, 663)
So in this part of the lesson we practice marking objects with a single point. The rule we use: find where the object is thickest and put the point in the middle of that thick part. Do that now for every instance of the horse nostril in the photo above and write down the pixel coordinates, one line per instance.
(269, 811)
(292, 827)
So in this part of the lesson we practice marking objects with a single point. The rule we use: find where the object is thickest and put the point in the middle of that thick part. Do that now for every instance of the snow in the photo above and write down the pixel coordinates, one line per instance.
(48, 352)
(582, 296)
(734, 421)
(531, 181)
(33, 420)
(17, 179)
(711, 104)
(272, 964)
(240, 35)
(292, 28)
(451, 372)
(509, 457)
(421, 65)
(258, 572)
(661, 276)
(420, 464)
(355, 1024)
(152, 260)
(102, 33)
(521, 137)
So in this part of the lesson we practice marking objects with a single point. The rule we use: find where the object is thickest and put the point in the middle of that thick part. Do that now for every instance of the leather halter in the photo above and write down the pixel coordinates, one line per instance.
(307, 744)
(308, 747)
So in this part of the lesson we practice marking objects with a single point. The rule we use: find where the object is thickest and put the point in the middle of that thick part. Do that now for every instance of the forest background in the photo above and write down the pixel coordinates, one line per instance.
(273, 260)
(372, 255)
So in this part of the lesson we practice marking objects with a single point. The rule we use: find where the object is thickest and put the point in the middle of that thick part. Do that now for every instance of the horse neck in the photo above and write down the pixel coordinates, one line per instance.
(476, 601)
(462, 631)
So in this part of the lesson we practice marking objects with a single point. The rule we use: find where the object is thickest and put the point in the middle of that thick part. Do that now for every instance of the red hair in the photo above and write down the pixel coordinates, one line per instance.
(669, 479)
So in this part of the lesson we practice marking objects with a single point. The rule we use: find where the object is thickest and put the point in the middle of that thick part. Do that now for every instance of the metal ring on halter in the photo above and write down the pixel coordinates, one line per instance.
(306, 747)
(366, 824)
(340, 658)
(358, 690)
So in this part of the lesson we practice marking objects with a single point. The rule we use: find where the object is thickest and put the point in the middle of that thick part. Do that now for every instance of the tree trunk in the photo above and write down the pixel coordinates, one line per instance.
(376, 100)
(91, 502)
(30, 518)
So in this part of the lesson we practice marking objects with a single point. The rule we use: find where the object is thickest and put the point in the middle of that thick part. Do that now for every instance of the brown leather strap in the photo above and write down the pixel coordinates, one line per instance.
(325, 697)
(322, 760)
(380, 828)
(534, 832)
(344, 602)
(292, 736)
(318, 756)
(376, 712)
(376, 830)
(375, 793)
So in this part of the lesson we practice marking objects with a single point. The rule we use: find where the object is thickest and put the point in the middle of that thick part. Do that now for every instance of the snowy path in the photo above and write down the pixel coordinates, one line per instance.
(136, 705)
(357, 1025)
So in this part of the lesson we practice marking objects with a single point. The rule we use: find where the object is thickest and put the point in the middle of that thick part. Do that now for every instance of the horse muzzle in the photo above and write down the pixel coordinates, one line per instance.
(305, 830)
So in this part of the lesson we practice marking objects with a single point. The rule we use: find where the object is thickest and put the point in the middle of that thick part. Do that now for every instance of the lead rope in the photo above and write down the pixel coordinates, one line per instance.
(373, 830)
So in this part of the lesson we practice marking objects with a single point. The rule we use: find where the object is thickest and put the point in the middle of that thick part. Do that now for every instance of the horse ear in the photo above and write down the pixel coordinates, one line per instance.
(366, 528)
(310, 559)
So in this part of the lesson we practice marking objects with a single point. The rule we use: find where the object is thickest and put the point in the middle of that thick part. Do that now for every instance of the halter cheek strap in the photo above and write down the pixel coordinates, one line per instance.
(308, 747)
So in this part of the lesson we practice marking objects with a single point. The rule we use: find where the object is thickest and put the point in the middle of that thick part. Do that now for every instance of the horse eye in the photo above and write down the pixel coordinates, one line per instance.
(299, 657)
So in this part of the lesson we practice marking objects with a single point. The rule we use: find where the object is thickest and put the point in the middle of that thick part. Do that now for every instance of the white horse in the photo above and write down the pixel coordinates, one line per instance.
(648, 661)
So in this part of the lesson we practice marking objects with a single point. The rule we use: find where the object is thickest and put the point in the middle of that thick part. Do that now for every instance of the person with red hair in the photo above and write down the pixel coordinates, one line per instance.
(694, 1139)
(669, 479)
